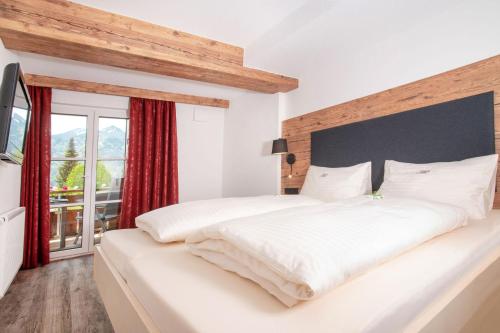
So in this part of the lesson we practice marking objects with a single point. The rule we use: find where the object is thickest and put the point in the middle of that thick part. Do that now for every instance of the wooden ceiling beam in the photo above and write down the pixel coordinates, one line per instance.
(76, 18)
(63, 29)
(110, 89)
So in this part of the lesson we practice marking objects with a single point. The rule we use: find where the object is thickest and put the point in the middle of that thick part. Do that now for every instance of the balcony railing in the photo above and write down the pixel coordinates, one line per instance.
(66, 216)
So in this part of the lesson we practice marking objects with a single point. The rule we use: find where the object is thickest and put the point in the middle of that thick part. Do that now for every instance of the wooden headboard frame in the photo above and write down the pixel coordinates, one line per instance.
(479, 77)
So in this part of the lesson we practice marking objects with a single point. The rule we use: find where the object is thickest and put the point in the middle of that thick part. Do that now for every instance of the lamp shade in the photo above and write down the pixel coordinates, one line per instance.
(280, 146)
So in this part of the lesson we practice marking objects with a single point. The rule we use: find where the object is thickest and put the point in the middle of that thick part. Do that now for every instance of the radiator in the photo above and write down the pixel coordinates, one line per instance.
(11, 246)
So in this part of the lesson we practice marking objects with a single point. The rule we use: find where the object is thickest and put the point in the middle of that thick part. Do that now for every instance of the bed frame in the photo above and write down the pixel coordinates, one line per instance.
(472, 305)
(123, 308)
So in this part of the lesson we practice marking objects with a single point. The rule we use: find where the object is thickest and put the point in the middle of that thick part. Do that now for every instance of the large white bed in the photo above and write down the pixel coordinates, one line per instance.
(448, 284)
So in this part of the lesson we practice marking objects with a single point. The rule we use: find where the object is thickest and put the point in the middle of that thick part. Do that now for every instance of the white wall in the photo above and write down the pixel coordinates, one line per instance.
(339, 49)
(346, 49)
(356, 48)
(251, 125)
(10, 174)
(200, 141)
(221, 152)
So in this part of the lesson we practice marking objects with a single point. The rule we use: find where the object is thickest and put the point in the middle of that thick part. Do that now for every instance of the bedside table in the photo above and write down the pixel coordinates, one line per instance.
(291, 190)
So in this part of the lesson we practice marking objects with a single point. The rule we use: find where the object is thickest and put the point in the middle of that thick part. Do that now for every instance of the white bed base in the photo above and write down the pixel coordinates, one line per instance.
(471, 306)
(124, 310)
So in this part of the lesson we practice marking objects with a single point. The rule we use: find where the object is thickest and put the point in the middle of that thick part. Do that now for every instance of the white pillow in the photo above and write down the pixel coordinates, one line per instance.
(469, 184)
(329, 184)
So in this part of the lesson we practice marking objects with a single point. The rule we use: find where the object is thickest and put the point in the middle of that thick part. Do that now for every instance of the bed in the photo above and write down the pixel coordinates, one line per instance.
(458, 291)
(448, 284)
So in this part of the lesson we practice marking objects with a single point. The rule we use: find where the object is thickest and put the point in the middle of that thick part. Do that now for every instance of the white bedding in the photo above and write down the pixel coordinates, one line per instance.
(302, 253)
(175, 223)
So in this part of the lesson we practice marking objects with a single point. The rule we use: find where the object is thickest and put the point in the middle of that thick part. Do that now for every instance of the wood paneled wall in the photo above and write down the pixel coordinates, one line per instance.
(465, 81)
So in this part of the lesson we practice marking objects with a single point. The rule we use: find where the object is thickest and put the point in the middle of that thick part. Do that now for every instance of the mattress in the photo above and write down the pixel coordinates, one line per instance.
(123, 246)
(184, 293)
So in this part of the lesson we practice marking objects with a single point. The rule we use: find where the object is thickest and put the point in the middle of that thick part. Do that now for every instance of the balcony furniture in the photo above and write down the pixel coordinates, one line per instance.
(105, 211)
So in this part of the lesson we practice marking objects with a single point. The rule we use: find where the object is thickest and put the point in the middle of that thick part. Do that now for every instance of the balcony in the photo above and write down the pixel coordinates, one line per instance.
(67, 213)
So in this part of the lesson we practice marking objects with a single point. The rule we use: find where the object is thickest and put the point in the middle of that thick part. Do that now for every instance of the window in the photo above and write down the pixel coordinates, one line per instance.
(86, 177)
(110, 167)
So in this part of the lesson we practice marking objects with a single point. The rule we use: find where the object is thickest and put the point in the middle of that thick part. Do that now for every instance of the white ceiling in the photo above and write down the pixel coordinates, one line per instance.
(283, 36)
(241, 23)
(238, 22)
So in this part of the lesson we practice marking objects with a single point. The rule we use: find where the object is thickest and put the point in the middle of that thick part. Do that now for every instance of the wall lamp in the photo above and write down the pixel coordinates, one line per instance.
(280, 147)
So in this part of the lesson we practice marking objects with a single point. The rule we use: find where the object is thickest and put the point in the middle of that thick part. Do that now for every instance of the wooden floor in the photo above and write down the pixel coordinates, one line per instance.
(60, 297)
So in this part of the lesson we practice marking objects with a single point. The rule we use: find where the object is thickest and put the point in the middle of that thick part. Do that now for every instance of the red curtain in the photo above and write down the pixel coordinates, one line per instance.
(35, 180)
(151, 179)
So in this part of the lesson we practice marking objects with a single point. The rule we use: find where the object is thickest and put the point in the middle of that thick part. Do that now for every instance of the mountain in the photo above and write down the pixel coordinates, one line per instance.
(60, 142)
(111, 144)
(16, 132)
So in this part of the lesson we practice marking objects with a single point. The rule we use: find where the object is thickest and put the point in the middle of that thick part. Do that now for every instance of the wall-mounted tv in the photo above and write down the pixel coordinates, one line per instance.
(15, 111)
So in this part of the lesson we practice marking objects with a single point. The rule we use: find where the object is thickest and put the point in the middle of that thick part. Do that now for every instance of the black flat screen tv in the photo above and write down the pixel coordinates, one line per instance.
(15, 112)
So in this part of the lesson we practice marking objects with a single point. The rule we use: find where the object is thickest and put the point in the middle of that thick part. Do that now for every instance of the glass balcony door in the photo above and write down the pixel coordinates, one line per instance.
(109, 164)
(70, 170)
(87, 167)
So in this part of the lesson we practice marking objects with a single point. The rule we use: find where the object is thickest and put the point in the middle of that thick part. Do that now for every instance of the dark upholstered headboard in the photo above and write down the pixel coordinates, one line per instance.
(443, 132)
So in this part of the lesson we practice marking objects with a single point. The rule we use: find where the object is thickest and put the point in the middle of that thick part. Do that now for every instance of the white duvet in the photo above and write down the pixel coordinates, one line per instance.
(176, 222)
(301, 253)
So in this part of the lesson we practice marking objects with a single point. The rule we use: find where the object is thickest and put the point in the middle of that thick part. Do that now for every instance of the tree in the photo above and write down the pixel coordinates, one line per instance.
(75, 178)
(103, 177)
(68, 166)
